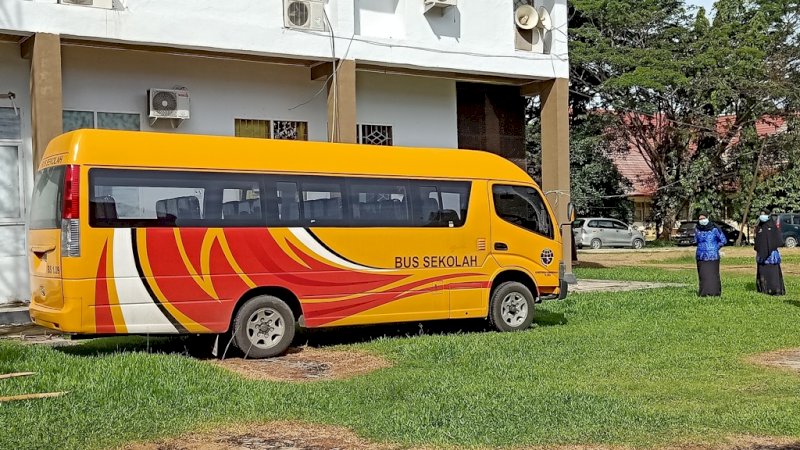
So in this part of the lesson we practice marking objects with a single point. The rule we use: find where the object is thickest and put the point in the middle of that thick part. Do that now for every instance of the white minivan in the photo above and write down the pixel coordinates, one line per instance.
(598, 232)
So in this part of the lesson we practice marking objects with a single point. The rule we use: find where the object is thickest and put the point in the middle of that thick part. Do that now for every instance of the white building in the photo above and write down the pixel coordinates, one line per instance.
(409, 73)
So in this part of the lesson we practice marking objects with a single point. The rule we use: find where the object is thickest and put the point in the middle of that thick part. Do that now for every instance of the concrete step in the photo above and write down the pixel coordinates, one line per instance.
(14, 315)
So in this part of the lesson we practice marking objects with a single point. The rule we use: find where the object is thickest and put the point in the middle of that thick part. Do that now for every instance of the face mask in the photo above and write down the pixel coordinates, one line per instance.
(763, 217)
(703, 222)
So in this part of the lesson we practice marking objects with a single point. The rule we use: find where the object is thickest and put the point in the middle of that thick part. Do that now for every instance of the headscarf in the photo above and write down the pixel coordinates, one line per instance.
(710, 226)
(768, 237)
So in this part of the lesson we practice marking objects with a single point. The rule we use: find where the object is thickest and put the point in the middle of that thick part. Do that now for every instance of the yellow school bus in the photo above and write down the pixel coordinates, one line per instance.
(155, 233)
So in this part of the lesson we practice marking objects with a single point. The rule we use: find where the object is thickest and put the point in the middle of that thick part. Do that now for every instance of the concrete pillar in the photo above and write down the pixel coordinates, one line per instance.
(554, 96)
(342, 104)
(44, 51)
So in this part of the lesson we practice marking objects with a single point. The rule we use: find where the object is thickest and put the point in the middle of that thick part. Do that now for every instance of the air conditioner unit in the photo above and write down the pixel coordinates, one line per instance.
(430, 4)
(168, 103)
(104, 4)
(304, 14)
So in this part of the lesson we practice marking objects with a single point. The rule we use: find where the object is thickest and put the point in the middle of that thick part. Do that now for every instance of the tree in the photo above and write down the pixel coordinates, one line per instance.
(667, 77)
(597, 188)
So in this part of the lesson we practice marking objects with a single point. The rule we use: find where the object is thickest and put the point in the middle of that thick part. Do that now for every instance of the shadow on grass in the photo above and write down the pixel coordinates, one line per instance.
(792, 302)
(791, 446)
(126, 344)
(324, 337)
(200, 346)
(590, 265)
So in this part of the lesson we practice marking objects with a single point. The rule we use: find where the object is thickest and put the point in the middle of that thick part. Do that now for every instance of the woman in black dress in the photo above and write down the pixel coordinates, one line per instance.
(769, 278)
(709, 239)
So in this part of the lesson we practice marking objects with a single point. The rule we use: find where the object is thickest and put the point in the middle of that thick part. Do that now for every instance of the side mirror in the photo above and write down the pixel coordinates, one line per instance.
(570, 212)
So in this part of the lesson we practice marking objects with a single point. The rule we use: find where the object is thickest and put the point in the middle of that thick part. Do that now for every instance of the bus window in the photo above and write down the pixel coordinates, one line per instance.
(455, 197)
(442, 205)
(46, 207)
(522, 206)
(377, 202)
(288, 199)
(322, 202)
(427, 208)
(141, 198)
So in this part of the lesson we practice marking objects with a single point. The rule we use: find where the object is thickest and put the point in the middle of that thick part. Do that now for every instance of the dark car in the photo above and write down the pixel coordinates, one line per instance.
(685, 234)
(790, 228)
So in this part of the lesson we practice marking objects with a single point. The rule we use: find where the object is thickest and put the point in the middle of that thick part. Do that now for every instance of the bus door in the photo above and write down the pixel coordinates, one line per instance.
(523, 231)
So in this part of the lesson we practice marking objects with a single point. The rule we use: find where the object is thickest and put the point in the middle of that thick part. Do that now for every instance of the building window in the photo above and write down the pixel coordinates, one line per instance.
(75, 120)
(375, 134)
(10, 206)
(265, 129)
(291, 130)
(119, 121)
(252, 128)
(10, 124)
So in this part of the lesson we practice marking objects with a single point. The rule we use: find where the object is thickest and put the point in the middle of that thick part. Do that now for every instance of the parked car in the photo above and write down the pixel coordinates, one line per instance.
(789, 224)
(686, 231)
(598, 232)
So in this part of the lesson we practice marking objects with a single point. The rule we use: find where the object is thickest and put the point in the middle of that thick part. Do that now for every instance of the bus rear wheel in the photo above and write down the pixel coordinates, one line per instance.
(264, 327)
(511, 307)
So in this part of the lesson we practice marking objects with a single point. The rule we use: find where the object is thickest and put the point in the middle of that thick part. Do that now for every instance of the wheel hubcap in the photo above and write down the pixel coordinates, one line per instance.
(514, 309)
(265, 328)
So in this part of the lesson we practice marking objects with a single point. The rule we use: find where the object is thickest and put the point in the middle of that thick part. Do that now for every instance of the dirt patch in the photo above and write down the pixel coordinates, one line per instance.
(788, 359)
(34, 335)
(745, 443)
(306, 436)
(617, 258)
(307, 364)
(271, 436)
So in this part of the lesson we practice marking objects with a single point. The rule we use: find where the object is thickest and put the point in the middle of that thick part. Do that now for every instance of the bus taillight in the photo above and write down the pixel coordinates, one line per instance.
(70, 213)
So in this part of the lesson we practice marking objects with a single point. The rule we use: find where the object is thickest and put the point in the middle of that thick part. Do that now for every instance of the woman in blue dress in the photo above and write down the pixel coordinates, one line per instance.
(709, 239)
(769, 277)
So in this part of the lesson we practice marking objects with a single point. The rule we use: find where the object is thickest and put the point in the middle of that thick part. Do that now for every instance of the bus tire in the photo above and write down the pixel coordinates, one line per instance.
(511, 307)
(264, 327)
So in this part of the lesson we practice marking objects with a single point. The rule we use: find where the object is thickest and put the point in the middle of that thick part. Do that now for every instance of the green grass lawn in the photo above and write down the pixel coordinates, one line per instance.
(642, 368)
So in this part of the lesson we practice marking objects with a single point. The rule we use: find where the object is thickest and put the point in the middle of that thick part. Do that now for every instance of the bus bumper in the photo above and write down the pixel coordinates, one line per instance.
(66, 319)
(563, 286)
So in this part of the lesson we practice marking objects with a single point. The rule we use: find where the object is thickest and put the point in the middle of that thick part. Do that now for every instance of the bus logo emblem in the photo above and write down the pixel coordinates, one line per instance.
(547, 256)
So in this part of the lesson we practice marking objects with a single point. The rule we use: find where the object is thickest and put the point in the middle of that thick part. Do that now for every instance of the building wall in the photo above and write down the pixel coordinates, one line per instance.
(220, 90)
(421, 111)
(475, 37)
(14, 76)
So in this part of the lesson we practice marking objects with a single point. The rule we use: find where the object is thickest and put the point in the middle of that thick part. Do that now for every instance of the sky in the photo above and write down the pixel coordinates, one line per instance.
(707, 4)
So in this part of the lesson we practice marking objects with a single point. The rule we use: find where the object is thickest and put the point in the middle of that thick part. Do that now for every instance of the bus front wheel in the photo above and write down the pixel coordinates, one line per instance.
(264, 327)
(511, 307)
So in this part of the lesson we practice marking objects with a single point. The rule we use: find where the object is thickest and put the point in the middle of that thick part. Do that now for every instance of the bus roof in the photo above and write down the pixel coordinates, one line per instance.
(191, 151)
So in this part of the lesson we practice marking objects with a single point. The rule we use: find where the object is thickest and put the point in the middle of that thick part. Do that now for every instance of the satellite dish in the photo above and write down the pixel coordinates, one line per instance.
(545, 21)
(526, 17)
